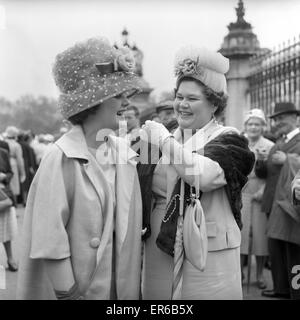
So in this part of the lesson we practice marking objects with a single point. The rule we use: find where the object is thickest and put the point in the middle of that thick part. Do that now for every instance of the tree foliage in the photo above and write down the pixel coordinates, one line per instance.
(39, 114)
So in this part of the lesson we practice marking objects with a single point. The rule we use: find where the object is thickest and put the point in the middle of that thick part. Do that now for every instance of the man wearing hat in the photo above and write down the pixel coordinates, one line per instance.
(165, 111)
(283, 228)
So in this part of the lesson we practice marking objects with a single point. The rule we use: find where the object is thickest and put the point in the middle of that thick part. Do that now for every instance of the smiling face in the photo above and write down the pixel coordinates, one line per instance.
(112, 111)
(254, 128)
(285, 123)
(192, 109)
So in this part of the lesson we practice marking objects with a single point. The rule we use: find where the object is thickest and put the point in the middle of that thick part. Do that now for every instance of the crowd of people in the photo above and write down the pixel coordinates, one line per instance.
(20, 155)
(170, 209)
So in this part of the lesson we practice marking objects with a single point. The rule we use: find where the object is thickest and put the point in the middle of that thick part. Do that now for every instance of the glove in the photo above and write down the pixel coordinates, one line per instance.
(156, 133)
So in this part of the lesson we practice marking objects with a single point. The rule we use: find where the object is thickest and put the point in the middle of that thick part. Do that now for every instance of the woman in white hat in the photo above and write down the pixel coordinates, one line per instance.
(182, 260)
(252, 216)
(82, 228)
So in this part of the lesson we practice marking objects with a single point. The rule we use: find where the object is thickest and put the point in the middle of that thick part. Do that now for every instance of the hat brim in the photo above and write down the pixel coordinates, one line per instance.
(118, 83)
(284, 112)
(159, 109)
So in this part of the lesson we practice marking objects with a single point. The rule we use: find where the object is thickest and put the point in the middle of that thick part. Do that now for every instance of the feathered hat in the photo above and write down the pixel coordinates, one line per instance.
(91, 72)
(202, 64)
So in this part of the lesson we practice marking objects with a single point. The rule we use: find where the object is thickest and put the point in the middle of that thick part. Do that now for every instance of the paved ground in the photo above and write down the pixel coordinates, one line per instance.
(11, 277)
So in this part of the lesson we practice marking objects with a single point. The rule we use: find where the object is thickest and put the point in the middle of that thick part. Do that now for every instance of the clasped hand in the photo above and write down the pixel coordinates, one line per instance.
(278, 157)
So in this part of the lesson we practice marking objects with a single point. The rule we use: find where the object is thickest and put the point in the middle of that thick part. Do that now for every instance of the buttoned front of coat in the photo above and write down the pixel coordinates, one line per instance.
(71, 213)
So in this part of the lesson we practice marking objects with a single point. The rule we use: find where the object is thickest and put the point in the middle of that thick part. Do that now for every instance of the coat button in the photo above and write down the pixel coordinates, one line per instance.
(95, 243)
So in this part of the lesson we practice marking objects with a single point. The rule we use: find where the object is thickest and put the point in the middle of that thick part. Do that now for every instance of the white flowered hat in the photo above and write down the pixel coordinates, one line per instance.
(91, 72)
(204, 65)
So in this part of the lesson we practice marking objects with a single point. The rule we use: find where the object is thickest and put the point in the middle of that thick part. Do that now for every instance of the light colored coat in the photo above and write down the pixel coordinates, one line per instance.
(81, 224)
(222, 229)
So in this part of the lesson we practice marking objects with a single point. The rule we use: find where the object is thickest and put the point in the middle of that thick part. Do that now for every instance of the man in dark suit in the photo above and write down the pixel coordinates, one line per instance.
(283, 224)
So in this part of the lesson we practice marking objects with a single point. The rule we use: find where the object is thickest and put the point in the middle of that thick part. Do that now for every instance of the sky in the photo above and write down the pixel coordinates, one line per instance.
(32, 32)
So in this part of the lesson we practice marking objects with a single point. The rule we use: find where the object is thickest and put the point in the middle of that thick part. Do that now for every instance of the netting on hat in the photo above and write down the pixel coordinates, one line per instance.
(83, 83)
(97, 90)
(72, 66)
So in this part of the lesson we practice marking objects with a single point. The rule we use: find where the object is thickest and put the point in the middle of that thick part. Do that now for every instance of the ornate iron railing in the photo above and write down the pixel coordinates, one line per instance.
(275, 77)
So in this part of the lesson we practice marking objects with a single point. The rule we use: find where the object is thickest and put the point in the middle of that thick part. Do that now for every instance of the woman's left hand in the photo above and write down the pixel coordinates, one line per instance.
(156, 132)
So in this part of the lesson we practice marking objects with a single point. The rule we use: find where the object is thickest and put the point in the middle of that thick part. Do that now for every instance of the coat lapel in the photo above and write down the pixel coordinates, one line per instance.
(73, 144)
(290, 145)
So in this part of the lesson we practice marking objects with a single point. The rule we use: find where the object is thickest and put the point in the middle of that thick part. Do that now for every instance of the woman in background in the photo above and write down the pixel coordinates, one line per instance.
(254, 220)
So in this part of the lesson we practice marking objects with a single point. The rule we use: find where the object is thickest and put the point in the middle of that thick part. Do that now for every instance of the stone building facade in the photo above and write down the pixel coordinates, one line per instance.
(239, 45)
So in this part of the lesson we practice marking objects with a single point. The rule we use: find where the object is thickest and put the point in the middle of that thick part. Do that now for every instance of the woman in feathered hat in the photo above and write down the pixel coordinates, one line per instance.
(82, 228)
(187, 257)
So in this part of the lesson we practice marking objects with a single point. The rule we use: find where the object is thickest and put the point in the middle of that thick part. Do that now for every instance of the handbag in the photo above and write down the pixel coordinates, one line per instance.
(5, 201)
(194, 231)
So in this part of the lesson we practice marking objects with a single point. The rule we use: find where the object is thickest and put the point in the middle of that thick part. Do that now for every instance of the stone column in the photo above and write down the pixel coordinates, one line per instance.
(238, 86)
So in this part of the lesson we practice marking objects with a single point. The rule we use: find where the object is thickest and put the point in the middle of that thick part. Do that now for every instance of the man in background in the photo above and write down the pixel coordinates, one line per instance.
(132, 118)
(165, 112)
(283, 227)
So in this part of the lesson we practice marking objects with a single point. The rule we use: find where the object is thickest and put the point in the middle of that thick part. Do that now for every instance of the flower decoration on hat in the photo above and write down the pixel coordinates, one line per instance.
(188, 67)
(202, 64)
(124, 59)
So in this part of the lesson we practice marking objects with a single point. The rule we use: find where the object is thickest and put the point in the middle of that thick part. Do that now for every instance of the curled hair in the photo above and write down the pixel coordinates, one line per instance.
(217, 99)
